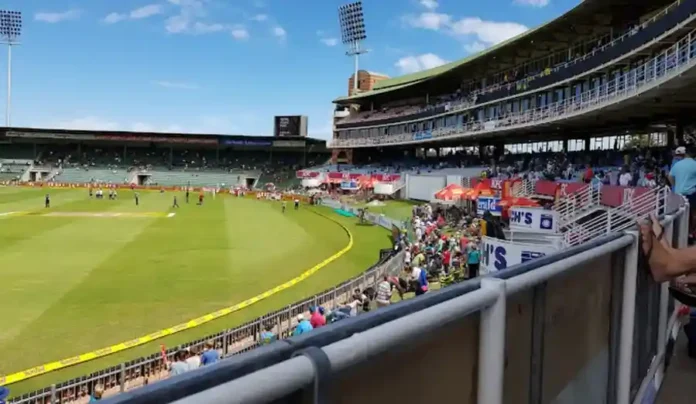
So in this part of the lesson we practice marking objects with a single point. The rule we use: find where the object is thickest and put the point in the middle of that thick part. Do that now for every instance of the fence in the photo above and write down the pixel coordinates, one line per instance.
(140, 372)
(586, 325)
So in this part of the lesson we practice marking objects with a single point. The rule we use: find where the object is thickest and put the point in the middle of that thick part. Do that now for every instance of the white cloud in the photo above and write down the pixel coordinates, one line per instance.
(279, 32)
(113, 18)
(260, 17)
(412, 64)
(137, 14)
(146, 11)
(205, 28)
(533, 3)
(176, 85)
(432, 4)
(483, 31)
(56, 17)
(329, 41)
(474, 47)
(239, 33)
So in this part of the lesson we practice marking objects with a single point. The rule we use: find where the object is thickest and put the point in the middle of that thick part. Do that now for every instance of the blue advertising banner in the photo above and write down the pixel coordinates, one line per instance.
(488, 203)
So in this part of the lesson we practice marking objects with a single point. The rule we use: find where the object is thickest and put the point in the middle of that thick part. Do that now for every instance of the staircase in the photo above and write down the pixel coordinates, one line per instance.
(579, 204)
(623, 217)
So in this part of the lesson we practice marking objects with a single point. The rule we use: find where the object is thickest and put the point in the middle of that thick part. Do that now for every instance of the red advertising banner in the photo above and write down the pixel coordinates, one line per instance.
(386, 177)
(344, 176)
(614, 195)
(307, 174)
(547, 188)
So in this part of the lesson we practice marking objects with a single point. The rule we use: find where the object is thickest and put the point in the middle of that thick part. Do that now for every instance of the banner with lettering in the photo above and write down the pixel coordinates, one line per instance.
(497, 254)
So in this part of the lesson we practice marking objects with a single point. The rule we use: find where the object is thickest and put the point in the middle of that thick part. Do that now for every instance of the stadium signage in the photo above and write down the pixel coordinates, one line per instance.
(490, 204)
(350, 185)
(247, 142)
(423, 135)
(307, 174)
(497, 255)
(534, 220)
(344, 176)
(193, 139)
(45, 135)
(288, 143)
(386, 177)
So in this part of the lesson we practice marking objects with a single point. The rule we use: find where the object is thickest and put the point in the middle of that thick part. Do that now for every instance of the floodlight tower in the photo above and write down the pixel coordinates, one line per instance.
(353, 33)
(10, 30)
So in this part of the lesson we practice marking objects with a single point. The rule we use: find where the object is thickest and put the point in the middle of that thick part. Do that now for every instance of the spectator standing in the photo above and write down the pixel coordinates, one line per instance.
(317, 319)
(268, 336)
(4, 393)
(473, 261)
(626, 177)
(210, 355)
(193, 360)
(384, 292)
(303, 326)
(97, 393)
(179, 365)
(683, 177)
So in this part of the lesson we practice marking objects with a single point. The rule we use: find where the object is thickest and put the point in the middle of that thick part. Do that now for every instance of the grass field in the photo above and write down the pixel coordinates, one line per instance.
(73, 282)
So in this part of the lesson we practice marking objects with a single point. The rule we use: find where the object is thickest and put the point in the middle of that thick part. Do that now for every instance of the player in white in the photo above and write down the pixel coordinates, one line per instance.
(285, 204)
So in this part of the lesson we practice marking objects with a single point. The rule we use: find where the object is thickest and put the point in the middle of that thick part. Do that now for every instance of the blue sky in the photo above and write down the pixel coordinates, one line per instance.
(229, 66)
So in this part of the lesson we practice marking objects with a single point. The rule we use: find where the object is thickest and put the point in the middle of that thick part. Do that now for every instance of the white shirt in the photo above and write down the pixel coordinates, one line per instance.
(415, 273)
(625, 179)
(194, 362)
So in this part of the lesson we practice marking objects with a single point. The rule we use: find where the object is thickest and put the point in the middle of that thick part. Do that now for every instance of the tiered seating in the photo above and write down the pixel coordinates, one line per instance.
(199, 178)
(78, 175)
(12, 169)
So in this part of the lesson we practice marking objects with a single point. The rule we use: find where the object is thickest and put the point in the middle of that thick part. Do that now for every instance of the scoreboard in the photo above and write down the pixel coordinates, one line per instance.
(290, 126)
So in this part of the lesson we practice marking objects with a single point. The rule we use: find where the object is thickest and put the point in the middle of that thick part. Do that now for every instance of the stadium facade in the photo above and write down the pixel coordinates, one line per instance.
(602, 68)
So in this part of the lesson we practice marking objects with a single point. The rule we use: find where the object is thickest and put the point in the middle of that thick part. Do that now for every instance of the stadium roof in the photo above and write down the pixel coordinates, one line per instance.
(586, 9)
(96, 135)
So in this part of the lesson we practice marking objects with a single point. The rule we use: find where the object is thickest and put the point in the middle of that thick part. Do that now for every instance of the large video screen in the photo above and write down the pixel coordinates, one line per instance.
(288, 126)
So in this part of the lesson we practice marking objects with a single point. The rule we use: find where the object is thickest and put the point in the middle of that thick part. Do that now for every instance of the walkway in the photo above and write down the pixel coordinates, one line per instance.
(680, 380)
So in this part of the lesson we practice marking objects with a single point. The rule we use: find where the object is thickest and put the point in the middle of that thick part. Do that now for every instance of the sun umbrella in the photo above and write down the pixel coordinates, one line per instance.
(451, 192)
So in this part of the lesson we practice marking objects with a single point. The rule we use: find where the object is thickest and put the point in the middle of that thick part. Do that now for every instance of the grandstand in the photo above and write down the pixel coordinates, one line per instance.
(64, 156)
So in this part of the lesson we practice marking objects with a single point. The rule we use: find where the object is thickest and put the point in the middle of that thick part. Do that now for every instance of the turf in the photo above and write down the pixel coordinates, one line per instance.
(75, 284)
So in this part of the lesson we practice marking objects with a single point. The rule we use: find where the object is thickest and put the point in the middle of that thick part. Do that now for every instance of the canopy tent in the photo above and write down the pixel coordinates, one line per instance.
(481, 189)
(451, 192)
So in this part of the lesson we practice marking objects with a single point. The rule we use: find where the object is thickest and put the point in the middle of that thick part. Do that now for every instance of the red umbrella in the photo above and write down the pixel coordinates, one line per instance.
(451, 192)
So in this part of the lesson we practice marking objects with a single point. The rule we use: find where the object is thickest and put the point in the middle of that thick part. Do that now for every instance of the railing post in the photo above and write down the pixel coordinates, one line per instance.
(122, 387)
(53, 394)
(628, 311)
(492, 345)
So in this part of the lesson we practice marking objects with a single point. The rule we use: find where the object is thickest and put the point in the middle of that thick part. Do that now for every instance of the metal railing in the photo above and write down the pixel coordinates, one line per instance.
(631, 211)
(668, 64)
(580, 202)
(586, 325)
(146, 370)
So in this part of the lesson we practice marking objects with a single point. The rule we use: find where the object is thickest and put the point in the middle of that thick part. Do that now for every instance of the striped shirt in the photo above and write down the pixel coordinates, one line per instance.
(383, 292)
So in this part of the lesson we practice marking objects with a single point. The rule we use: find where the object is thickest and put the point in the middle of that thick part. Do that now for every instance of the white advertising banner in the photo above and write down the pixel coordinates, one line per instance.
(534, 220)
(311, 182)
(497, 254)
(384, 188)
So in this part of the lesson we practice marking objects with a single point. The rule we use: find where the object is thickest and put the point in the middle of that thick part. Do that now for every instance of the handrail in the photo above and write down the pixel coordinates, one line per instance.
(668, 63)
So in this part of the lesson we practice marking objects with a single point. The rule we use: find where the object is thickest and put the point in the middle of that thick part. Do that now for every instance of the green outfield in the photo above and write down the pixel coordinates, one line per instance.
(85, 273)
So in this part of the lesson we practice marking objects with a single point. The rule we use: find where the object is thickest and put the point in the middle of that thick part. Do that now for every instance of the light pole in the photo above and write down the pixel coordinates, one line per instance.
(10, 30)
(353, 33)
